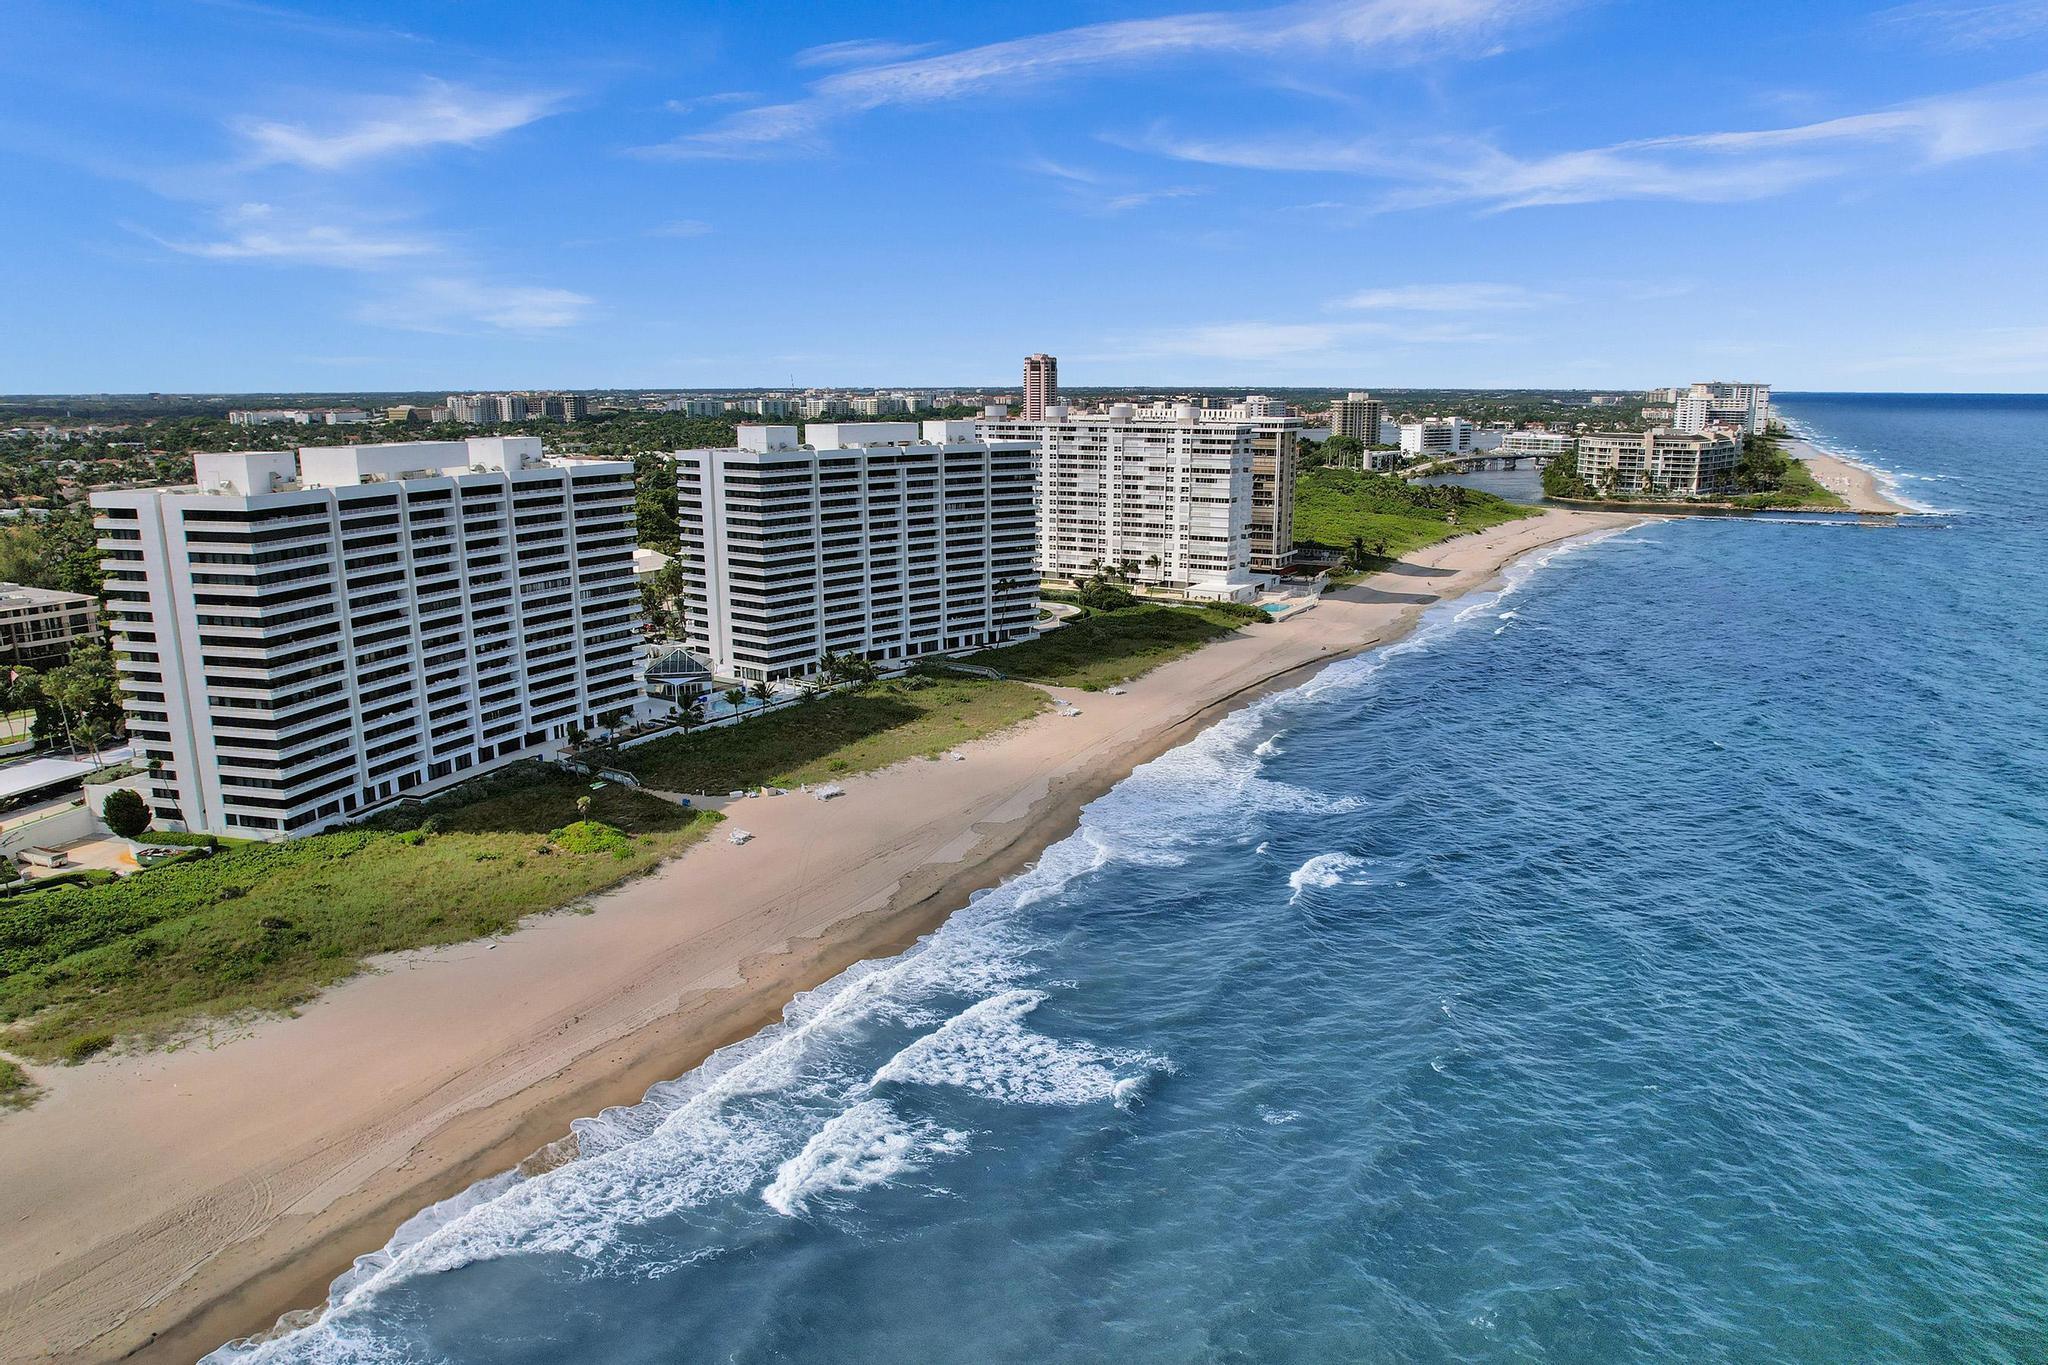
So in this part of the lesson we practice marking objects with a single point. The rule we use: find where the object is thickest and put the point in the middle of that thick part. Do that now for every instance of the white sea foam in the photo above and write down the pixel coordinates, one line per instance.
(1328, 869)
(986, 1049)
(867, 1145)
(739, 1121)
(1890, 482)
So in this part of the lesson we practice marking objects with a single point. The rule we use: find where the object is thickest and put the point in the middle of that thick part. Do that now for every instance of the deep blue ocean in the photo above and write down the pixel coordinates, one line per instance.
(1648, 962)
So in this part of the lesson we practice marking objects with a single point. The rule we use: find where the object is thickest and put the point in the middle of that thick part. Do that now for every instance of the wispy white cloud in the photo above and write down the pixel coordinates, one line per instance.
(859, 52)
(1254, 341)
(1995, 352)
(1971, 23)
(1444, 298)
(1386, 30)
(1703, 167)
(696, 102)
(443, 304)
(1099, 192)
(420, 283)
(681, 227)
(257, 232)
(438, 114)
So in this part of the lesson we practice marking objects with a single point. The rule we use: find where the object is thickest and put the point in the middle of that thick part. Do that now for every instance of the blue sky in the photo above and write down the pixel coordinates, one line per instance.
(233, 195)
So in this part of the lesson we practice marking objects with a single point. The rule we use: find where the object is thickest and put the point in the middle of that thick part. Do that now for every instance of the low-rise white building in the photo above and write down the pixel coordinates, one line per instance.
(1744, 408)
(870, 538)
(304, 636)
(1659, 462)
(1162, 494)
(43, 625)
(1436, 436)
(1548, 443)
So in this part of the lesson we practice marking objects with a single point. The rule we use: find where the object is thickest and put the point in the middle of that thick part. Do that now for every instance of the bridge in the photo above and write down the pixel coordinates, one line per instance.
(1476, 460)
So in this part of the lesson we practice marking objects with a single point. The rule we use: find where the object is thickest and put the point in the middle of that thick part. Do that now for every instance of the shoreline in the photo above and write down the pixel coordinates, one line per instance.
(185, 1199)
(1854, 484)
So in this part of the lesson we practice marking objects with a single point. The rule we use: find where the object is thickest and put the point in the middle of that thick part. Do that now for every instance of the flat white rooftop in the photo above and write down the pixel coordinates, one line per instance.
(246, 472)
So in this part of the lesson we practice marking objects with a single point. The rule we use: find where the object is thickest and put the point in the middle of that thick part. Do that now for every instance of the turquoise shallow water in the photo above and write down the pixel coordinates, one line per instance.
(1649, 962)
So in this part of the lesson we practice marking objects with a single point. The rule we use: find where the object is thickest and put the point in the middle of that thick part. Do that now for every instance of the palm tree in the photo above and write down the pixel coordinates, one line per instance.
(735, 697)
(761, 691)
(582, 808)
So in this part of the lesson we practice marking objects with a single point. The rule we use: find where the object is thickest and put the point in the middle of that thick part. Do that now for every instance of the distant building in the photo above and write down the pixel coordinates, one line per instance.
(1740, 407)
(1359, 416)
(407, 412)
(870, 538)
(305, 636)
(1549, 443)
(565, 407)
(696, 407)
(877, 405)
(1660, 462)
(471, 409)
(1436, 436)
(270, 417)
(43, 625)
(824, 405)
(344, 417)
(1041, 385)
(1660, 415)
(508, 407)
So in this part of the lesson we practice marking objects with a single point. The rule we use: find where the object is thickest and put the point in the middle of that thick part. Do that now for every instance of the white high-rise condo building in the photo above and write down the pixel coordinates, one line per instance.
(867, 538)
(1659, 462)
(1436, 436)
(1041, 385)
(1742, 407)
(1165, 496)
(306, 636)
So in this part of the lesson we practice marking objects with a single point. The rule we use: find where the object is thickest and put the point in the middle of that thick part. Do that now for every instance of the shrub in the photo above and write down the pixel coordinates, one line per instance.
(172, 838)
(125, 812)
(16, 1089)
(86, 1045)
(591, 836)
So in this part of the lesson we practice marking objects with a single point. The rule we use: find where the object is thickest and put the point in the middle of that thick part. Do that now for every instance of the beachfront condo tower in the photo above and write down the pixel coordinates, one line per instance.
(1659, 462)
(306, 636)
(878, 539)
(1162, 495)
(1041, 385)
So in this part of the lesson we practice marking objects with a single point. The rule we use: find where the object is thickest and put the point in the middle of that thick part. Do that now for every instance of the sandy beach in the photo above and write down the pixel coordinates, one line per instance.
(1854, 484)
(156, 1206)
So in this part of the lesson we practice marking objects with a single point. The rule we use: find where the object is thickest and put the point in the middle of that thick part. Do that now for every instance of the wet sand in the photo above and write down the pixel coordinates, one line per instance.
(156, 1206)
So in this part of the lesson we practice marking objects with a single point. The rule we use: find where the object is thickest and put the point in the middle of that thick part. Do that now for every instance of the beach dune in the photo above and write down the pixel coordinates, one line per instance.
(156, 1206)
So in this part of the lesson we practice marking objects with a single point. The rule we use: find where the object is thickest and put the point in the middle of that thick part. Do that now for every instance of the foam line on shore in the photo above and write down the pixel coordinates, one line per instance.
(785, 1112)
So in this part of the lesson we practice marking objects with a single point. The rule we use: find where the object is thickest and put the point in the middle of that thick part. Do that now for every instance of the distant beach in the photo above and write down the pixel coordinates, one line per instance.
(1853, 483)
(201, 1215)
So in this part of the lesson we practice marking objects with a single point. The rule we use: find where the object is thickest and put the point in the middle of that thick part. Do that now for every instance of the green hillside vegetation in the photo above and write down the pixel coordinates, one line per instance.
(265, 926)
(1374, 518)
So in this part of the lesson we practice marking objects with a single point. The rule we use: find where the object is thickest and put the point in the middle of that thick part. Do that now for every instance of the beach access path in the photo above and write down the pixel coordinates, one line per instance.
(155, 1206)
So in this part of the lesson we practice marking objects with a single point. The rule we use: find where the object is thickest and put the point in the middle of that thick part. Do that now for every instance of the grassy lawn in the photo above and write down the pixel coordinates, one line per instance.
(1332, 507)
(835, 736)
(1109, 647)
(266, 926)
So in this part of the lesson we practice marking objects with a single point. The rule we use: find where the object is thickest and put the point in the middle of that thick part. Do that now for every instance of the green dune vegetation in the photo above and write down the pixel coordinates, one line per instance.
(262, 927)
(872, 725)
(1372, 519)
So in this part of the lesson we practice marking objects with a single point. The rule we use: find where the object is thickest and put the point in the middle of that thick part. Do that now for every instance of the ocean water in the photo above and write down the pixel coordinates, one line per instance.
(1647, 962)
